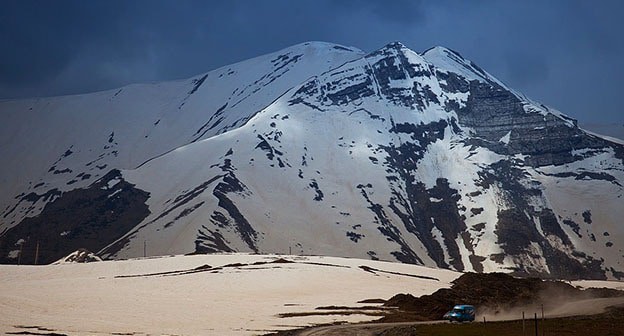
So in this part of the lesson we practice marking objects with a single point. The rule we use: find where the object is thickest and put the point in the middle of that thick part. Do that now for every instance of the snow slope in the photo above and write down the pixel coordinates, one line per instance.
(68, 142)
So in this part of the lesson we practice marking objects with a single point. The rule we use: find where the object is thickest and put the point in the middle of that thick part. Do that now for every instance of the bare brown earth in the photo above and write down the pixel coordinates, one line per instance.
(492, 294)
(499, 298)
(609, 323)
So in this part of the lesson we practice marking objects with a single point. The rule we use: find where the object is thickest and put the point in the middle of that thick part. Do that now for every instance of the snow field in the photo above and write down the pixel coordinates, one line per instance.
(89, 299)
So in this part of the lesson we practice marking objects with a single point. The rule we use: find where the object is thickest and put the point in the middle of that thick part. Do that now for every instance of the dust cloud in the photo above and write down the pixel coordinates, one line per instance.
(552, 303)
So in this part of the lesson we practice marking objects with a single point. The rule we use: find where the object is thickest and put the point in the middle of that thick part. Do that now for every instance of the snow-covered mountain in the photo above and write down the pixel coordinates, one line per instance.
(317, 149)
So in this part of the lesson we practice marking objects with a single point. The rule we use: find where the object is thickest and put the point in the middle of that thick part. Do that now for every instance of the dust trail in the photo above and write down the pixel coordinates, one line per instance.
(556, 307)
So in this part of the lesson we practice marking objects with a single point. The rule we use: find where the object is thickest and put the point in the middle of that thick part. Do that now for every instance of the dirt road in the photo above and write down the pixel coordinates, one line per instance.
(562, 309)
(366, 329)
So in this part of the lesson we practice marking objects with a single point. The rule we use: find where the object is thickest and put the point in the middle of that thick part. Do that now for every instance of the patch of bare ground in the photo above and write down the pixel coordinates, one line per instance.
(342, 310)
(238, 266)
(335, 312)
(379, 301)
(33, 333)
(34, 330)
(353, 308)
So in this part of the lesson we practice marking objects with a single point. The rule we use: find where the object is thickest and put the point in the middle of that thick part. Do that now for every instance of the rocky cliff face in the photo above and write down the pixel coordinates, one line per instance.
(420, 158)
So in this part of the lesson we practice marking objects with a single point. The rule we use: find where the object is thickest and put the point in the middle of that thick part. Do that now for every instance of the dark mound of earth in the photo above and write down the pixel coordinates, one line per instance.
(492, 291)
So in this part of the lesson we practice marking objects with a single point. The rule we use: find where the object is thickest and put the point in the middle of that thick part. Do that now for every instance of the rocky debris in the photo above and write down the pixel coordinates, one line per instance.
(80, 256)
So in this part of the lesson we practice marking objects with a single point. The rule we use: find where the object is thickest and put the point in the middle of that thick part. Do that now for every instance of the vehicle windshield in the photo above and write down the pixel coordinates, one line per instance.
(459, 311)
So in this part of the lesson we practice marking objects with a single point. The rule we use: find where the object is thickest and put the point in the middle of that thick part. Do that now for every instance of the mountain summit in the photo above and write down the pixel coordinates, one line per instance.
(323, 149)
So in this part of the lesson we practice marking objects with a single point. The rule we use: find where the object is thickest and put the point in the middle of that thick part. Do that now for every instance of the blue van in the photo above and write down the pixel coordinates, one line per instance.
(461, 313)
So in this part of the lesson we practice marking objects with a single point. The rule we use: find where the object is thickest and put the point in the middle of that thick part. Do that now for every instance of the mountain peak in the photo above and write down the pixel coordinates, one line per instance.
(395, 49)
(395, 45)
(445, 59)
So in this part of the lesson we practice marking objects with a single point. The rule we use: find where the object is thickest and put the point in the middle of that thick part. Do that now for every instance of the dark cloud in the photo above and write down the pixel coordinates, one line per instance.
(392, 12)
(566, 53)
(525, 68)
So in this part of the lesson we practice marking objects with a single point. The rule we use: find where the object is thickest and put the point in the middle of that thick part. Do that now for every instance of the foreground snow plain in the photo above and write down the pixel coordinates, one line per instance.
(232, 297)
(218, 294)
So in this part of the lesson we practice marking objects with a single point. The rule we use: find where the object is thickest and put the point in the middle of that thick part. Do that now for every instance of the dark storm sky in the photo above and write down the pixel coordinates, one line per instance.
(567, 54)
